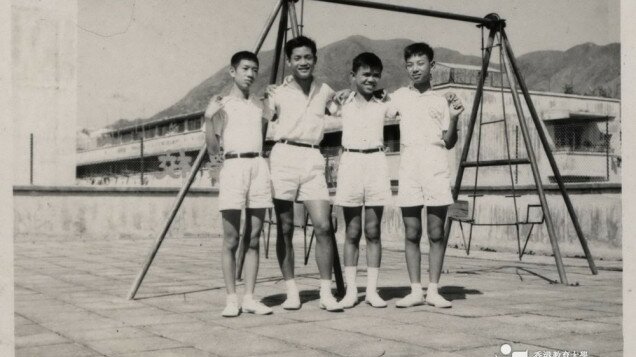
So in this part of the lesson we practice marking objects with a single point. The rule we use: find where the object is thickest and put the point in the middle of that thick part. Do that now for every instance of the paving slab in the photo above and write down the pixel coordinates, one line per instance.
(71, 301)
(57, 350)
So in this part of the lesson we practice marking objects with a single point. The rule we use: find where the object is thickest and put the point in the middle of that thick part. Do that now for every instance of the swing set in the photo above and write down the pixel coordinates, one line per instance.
(285, 10)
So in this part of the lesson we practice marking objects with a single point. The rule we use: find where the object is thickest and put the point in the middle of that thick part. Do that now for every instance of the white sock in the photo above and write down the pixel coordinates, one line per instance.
(372, 279)
(325, 287)
(291, 286)
(350, 276)
(231, 298)
(248, 297)
(432, 288)
(416, 288)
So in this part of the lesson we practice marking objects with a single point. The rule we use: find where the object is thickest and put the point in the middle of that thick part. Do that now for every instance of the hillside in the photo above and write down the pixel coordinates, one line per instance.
(585, 69)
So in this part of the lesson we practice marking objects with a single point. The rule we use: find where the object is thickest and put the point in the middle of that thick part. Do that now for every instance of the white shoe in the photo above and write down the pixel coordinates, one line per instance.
(350, 300)
(372, 298)
(255, 307)
(437, 300)
(231, 309)
(292, 302)
(330, 303)
(412, 299)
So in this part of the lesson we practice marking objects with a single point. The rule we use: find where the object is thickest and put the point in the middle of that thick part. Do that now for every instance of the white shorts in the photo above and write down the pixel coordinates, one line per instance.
(424, 178)
(245, 183)
(298, 173)
(363, 179)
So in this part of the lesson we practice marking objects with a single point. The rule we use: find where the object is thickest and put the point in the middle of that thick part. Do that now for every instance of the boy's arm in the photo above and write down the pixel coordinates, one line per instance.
(454, 109)
(213, 126)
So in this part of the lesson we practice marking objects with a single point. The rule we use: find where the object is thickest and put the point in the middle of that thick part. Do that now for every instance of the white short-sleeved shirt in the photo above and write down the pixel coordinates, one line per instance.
(423, 117)
(240, 125)
(363, 122)
(300, 116)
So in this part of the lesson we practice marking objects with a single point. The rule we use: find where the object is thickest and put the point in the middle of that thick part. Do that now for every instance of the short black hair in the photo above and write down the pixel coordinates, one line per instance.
(243, 55)
(300, 41)
(418, 49)
(367, 59)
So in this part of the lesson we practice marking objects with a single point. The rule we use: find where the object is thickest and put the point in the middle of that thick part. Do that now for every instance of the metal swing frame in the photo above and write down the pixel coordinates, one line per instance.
(287, 11)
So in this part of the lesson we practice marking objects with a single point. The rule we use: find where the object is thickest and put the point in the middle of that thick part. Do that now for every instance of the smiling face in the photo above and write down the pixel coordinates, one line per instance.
(419, 68)
(302, 62)
(366, 79)
(244, 74)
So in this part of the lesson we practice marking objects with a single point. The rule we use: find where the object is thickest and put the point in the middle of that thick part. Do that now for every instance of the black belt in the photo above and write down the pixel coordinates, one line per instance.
(295, 143)
(242, 155)
(364, 151)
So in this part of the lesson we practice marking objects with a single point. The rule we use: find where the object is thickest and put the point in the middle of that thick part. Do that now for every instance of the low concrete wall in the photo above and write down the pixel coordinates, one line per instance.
(96, 213)
(67, 213)
(598, 207)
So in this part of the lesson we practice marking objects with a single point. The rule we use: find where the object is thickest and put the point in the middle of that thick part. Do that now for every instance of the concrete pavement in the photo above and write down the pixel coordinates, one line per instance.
(70, 301)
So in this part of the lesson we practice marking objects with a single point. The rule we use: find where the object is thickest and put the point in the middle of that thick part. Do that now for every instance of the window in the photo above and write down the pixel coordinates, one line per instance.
(194, 124)
(579, 137)
(127, 137)
(150, 132)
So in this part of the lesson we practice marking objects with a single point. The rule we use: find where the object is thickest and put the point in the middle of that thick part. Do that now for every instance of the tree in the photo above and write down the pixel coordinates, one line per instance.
(568, 89)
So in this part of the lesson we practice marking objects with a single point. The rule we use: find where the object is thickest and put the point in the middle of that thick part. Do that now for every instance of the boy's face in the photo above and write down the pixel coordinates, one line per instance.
(302, 62)
(366, 79)
(419, 68)
(244, 74)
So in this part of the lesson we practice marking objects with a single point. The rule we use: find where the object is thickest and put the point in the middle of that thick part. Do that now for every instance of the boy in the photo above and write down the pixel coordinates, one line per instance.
(298, 168)
(237, 121)
(428, 128)
(363, 177)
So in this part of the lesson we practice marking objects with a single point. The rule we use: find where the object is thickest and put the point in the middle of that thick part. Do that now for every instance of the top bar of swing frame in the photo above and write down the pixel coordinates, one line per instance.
(485, 21)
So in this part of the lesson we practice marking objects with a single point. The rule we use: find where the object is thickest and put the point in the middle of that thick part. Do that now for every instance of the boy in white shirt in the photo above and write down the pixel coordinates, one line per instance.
(363, 177)
(236, 120)
(298, 167)
(428, 129)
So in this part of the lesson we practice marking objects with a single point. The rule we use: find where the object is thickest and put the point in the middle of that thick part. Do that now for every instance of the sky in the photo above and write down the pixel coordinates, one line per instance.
(136, 58)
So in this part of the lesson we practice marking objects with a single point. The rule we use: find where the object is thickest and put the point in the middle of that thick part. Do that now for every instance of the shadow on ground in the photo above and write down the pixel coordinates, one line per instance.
(278, 299)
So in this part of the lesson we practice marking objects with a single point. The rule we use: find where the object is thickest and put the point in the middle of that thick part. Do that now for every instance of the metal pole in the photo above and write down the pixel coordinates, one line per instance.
(414, 10)
(293, 19)
(268, 26)
(164, 231)
(535, 169)
(141, 152)
(337, 269)
(31, 158)
(607, 150)
(175, 209)
(282, 28)
(546, 148)
(471, 126)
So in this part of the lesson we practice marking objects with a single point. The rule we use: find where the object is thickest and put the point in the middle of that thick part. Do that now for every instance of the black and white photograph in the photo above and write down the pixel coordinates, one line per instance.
(198, 178)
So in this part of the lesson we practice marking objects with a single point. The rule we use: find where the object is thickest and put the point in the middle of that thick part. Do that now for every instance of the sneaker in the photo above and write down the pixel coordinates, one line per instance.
(372, 298)
(231, 309)
(292, 302)
(437, 300)
(255, 307)
(412, 299)
(330, 303)
(350, 300)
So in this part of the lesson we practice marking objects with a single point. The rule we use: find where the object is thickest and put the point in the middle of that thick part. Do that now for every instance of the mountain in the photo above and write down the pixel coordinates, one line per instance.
(586, 69)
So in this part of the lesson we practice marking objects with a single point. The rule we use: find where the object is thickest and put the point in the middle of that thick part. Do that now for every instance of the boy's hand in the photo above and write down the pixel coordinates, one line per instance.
(382, 95)
(269, 90)
(214, 106)
(341, 96)
(455, 104)
(217, 159)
